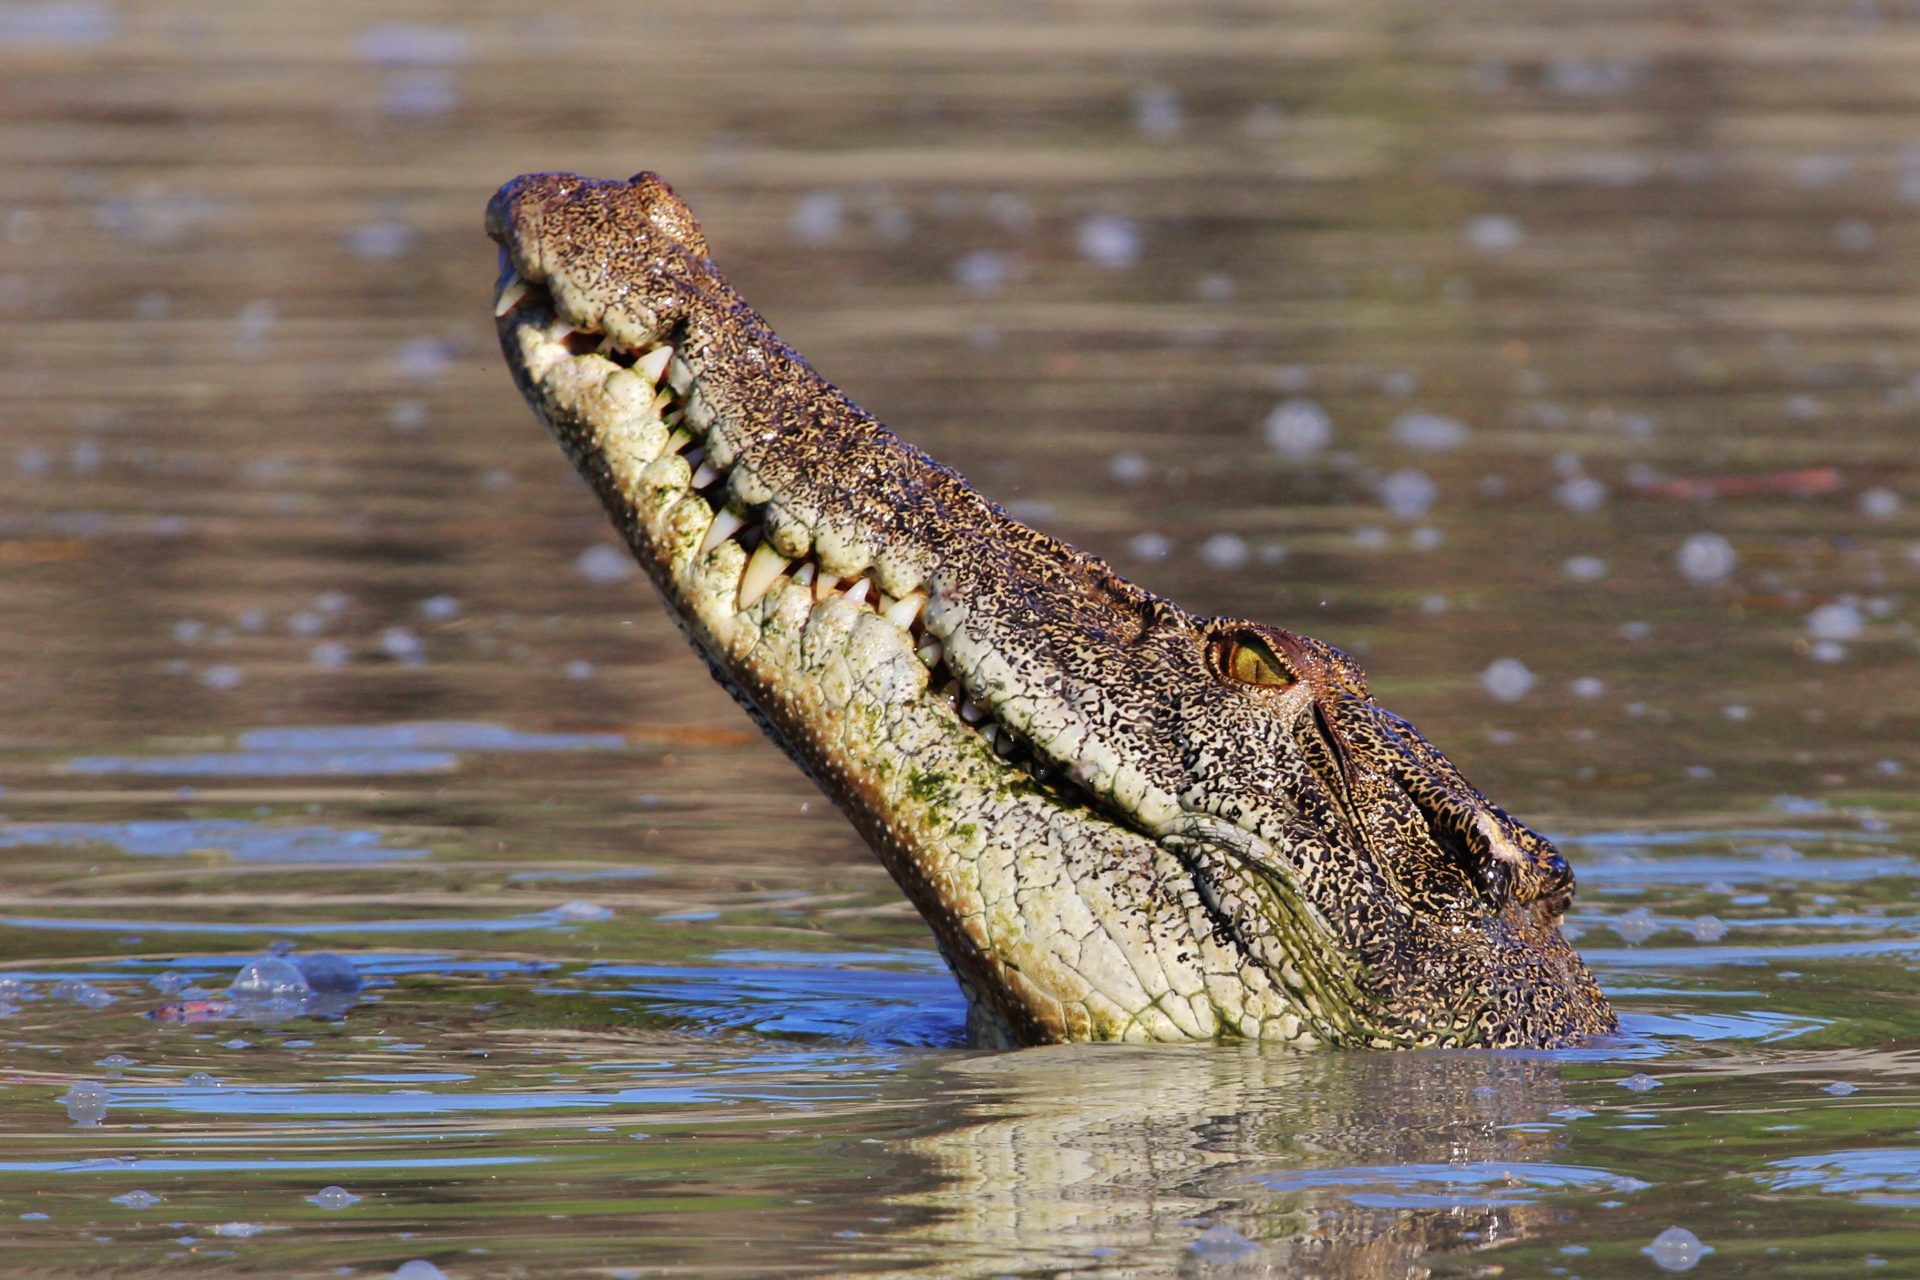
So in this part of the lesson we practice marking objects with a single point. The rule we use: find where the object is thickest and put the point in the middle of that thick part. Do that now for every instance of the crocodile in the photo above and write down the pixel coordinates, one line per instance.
(1121, 820)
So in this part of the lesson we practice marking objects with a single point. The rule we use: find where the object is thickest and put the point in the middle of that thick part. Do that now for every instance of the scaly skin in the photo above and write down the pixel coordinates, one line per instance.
(1122, 821)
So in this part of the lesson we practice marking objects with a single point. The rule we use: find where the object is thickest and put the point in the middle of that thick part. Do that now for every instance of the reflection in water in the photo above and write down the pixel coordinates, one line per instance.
(1276, 1163)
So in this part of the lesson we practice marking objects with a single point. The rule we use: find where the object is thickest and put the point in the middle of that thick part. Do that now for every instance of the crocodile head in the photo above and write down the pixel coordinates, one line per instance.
(1120, 819)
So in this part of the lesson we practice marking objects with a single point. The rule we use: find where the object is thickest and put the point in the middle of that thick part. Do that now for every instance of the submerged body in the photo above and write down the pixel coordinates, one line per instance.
(1121, 820)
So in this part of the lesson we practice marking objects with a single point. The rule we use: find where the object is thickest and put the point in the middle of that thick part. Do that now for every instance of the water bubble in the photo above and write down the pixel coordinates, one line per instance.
(1156, 110)
(602, 564)
(81, 993)
(581, 910)
(270, 978)
(403, 646)
(1838, 621)
(1494, 232)
(1636, 926)
(330, 654)
(414, 44)
(440, 608)
(1224, 551)
(982, 270)
(418, 1269)
(1507, 679)
(1408, 493)
(420, 93)
(1371, 537)
(1707, 928)
(138, 1199)
(329, 973)
(1221, 1245)
(223, 677)
(1581, 493)
(1706, 558)
(333, 1198)
(1676, 1249)
(1297, 428)
(1853, 235)
(1128, 468)
(238, 1230)
(1585, 568)
(1880, 504)
(1587, 687)
(1827, 651)
(578, 669)
(1110, 240)
(115, 1062)
(202, 1080)
(380, 241)
(422, 359)
(407, 416)
(1429, 432)
(817, 217)
(53, 23)
(1639, 1082)
(86, 1102)
(1841, 1088)
(1149, 546)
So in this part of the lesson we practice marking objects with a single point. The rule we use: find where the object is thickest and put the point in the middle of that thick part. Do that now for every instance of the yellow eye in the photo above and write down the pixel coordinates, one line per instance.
(1245, 658)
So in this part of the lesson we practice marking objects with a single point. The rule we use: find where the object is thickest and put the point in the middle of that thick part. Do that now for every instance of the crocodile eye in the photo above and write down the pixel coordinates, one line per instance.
(1245, 658)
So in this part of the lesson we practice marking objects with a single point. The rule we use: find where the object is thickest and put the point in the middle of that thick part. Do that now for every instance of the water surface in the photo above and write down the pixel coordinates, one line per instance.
(1561, 366)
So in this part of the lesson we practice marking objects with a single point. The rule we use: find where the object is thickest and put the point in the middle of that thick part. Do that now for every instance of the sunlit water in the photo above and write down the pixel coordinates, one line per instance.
(1564, 367)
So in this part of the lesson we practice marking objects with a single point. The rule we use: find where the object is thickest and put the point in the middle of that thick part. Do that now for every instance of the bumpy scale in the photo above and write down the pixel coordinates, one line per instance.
(1122, 821)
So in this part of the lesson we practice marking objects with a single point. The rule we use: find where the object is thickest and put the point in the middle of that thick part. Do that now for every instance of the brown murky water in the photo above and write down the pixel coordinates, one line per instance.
(1562, 364)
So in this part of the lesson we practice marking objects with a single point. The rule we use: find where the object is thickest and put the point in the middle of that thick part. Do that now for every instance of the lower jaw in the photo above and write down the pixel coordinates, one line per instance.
(849, 685)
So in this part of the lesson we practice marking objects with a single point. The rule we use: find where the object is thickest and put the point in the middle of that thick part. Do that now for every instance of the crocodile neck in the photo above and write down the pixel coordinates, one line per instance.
(1121, 820)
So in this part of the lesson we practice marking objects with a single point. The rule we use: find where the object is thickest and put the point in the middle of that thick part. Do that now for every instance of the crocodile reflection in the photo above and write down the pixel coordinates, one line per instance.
(1242, 1161)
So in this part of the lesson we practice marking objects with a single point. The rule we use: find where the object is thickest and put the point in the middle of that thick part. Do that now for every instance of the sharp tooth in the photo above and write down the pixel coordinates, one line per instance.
(660, 403)
(930, 652)
(762, 571)
(823, 586)
(705, 475)
(651, 365)
(696, 456)
(672, 419)
(608, 346)
(1004, 744)
(901, 613)
(679, 376)
(678, 441)
(969, 712)
(858, 592)
(803, 576)
(512, 295)
(724, 526)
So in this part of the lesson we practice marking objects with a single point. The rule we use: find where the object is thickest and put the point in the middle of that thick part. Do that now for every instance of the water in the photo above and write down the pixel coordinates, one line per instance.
(1562, 369)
